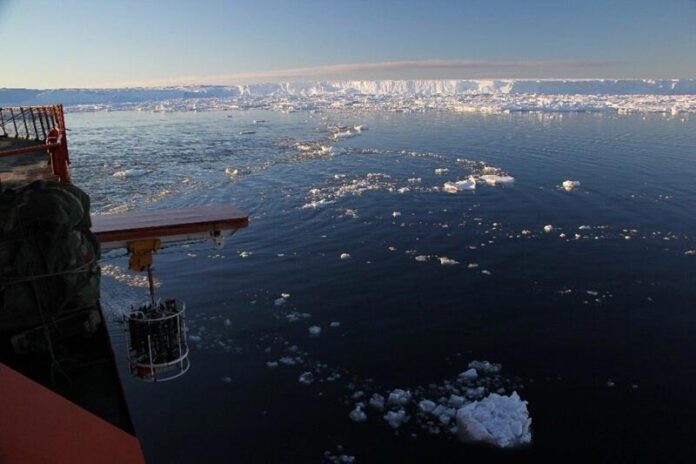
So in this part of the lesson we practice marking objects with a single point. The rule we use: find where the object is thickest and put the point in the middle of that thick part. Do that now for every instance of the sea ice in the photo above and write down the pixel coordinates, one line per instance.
(377, 401)
(335, 324)
(445, 261)
(469, 374)
(426, 405)
(396, 418)
(569, 185)
(493, 179)
(231, 172)
(306, 378)
(441, 171)
(314, 331)
(399, 397)
(548, 228)
(130, 173)
(357, 414)
(485, 366)
(454, 187)
(498, 420)
(344, 256)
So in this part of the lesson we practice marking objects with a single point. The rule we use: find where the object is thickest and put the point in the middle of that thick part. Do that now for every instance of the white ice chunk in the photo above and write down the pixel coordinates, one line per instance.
(454, 187)
(314, 331)
(399, 397)
(426, 405)
(396, 418)
(548, 228)
(469, 374)
(445, 261)
(231, 172)
(335, 324)
(345, 256)
(498, 420)
(569, 185)
(493, 179)
(357, 414)
(456, 401)
(485, 366)
(441, 171)
(306, 378)
(130, 173)
(377, 401)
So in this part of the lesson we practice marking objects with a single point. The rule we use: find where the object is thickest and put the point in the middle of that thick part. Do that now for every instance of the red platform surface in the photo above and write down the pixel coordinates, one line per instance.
(39, 426)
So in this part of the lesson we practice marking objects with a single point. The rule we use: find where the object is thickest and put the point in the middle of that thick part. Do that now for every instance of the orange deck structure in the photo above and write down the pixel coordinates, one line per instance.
(38, 426)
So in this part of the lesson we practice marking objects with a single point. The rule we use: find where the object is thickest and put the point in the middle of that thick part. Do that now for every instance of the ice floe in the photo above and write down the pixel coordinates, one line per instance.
(458, 186)
(445, 261)
(569, 185)
(497, 420)
(396, 418)
(495, 179)
(130, 173)
(314, 331)
(357, 414)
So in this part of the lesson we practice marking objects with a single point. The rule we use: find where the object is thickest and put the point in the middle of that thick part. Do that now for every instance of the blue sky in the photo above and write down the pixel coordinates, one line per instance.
(96, 43)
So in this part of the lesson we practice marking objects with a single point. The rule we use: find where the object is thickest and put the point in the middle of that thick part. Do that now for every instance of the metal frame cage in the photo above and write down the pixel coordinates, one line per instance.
(157, 347)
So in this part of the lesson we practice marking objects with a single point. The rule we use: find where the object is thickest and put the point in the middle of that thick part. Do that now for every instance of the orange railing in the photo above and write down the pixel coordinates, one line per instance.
(41, 124)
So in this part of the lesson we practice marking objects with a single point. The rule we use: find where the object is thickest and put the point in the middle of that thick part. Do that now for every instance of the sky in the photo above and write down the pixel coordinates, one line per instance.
(106, 43)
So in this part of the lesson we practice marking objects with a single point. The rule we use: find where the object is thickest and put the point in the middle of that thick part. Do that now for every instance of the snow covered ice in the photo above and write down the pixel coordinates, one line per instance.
(619, 96)
(454, 187)
(497, 420)
(494, 179)
(130, 173)
(569, 185)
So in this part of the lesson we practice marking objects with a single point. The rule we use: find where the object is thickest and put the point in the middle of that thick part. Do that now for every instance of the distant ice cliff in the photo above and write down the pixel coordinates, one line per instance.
(623, 95)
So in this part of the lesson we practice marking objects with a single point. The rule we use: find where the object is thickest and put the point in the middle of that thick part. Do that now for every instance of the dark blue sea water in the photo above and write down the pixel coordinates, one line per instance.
(593, 322)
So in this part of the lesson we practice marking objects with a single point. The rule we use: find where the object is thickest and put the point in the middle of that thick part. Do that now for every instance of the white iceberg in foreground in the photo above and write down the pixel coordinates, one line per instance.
(497, 420)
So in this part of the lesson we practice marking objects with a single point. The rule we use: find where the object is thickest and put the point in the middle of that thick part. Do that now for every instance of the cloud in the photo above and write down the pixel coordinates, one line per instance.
(433, 69)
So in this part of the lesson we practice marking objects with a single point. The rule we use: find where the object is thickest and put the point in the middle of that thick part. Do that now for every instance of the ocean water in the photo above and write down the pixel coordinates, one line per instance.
(592, 322)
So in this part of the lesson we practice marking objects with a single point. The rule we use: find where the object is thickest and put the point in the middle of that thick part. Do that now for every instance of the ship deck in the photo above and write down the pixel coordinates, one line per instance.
(20, 170)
